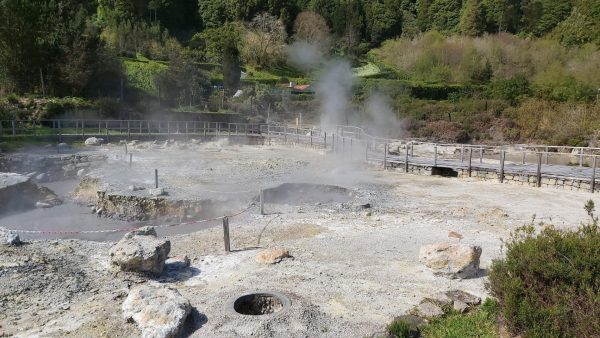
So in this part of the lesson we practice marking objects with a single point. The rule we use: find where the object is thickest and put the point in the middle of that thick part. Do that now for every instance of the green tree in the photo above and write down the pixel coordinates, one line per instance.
(472, 19)
(383, 20)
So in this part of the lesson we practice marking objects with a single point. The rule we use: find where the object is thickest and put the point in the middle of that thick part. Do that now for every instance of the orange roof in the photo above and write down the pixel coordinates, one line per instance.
(301, 87)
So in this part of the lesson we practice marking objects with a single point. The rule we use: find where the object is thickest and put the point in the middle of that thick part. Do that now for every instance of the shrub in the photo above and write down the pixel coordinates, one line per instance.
(480, 323)
(548, 285)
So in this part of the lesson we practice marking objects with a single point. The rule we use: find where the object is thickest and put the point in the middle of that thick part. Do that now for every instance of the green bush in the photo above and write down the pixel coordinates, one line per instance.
(548, 285)
(480, 323)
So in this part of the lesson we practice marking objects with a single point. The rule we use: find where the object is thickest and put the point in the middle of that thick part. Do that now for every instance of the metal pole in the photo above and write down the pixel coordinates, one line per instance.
(412, 146)
(502, 157)
(435, 155)
(539, 171)
(226, 234)
(325, 140)
(462, 152)
(350, 149)
(128, 130)
(547, 154)
(593, 178)
(130, 159)
(14, 131)
(262, 202)
(367, 152)
(581, 157)
(311, 138)
(125, 148)
(523, 157)
(156, 178)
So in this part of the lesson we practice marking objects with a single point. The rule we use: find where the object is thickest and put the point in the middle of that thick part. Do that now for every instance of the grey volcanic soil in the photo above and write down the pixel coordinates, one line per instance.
(350, 274)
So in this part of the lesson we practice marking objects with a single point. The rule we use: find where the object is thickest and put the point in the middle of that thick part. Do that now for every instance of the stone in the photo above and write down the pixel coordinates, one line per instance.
(80, 172)
(157, 192)
(158, 311)
(454, 234)
(93, 141)
(272, 256)
(451, 260)
(63, 146)
(177, 262)
(8, 237)
(41, 177)
(427, 310)
(43, 205)
(140, 251)
(462, 296)
(135, 188)
(414, 324)
(461, 307)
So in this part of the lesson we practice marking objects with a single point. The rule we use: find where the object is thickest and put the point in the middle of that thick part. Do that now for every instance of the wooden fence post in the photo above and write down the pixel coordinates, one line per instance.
(470, 160)
(462, 152)
(502, 158)
(406, 158)
(480, 154)
(539, 171)
(593, 178)
(262, 202)
(435, 155)
(226, 234)
(156, 178)
(385, 147)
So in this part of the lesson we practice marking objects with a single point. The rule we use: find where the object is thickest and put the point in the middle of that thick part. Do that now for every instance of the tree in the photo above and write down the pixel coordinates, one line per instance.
(312, 28)
(264, 40)
(472, 19)
(383, 20)
(445, 15)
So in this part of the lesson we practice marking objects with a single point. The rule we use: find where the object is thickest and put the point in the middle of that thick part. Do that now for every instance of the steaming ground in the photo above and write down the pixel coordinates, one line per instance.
(350, 274)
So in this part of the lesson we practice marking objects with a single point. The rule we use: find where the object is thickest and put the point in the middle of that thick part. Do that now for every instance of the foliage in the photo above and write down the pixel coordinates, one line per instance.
(263, 41)
(480, 323)
(548, 285)
(141, 72)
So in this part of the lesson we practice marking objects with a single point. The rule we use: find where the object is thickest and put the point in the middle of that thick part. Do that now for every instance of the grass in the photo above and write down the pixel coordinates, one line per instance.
(480, 323)
(275, 75)
(141, 71)
(366, 70)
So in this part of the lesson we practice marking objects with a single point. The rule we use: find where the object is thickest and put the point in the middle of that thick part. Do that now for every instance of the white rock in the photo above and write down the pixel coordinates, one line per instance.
(80, 172)
(451, 260)
(157, 192)
(41, 177)
(140, 251)
(427, 310)
(8, 238)
(43, 205)
(159, 311)
(94, 141)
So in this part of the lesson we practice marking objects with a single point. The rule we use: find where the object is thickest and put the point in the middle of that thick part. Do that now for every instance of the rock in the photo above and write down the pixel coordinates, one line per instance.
(157, 310)
(93, 141)
(427, 310)
(464, 297)
(414, 324)
(8, 238)
(272, 256)
(63, 146)
(442, 299)
(41, 177)
(43, 205)
(80, 172)
(157, 192)
(135, 188)
(141, 251)
(454, 234)
(177, 262)
(461, 307)
(451, 260)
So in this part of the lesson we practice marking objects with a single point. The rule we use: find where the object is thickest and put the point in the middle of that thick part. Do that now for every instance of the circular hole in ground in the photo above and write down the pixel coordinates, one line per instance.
(260, 303)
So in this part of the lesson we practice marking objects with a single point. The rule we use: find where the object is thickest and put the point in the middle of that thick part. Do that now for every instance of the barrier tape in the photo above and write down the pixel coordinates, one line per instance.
(77, 232)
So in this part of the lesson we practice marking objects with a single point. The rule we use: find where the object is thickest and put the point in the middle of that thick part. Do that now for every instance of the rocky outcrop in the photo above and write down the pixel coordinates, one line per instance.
(8, 238)
(140, 251)
(94, 141)
(272, 256)
(451, 260)
(158, 311)
(18, 192)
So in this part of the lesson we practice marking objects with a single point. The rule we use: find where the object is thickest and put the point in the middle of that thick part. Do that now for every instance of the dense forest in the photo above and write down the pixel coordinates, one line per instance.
(460, 70)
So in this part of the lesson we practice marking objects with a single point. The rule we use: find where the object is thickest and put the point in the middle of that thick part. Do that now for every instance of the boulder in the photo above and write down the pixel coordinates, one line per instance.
(8, 238)
(463, 297)
(140, 251)
(428, 310)
(460, 307)
(413, 322)
(80, 172)
(158, 311)
(451, 260)
(93, 141)
(272, 256)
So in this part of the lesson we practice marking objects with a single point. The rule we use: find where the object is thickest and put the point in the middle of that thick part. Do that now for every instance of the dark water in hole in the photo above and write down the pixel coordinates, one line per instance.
(306, 193)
